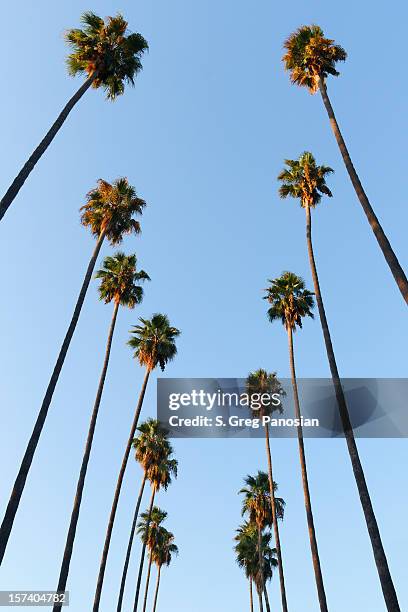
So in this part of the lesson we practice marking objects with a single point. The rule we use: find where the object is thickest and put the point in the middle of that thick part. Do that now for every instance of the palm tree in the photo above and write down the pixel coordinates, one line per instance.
(154, 345)
(149, 531)
(108, 213)
(260, 382)
(151, 448)
(247, 558)
(304, 180)
(161, 477)
(257, 504)
(162, 554)
(311, 58)
(108, 56)
(290, 303)
(120, 284)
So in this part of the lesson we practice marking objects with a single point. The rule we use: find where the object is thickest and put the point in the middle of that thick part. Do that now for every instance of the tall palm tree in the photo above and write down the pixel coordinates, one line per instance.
(108, 56)
(109, 213)
(161, 477)
(290, 303)
(260, 382)
(257, 504)
(162, 554)
(303, 179)
(120, 284)
(247, 557)
(154, 345)
(152, 447)
(149, 531)
(311, 58)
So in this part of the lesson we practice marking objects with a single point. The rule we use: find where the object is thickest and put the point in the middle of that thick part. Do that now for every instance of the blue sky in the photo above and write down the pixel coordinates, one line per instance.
(202, 137)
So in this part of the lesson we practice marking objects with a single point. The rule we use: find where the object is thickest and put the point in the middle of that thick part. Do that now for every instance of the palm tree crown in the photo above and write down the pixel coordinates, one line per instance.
(154, 341)
(304, 179)
(290, 300)
(160, 474)
(256, 502)
(149, 524)
(151, 445)
(107, 51)
(110, 208)
(247, 555)
(260, 382)
(164, 549)
(119, 280)
(310, 57)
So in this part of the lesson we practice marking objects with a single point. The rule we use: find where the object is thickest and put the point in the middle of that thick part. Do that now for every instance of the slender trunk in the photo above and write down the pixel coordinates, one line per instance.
(251, 599)
(115, 502)
(147, 584)
(28, 457)
(379, 233)
(275, 522)
(265, 592)
(261, 569)
(130, 544)
(260, 600)
(157, 589)
(142, 556)
(66, 560)
(25, 171)
(387, 584)
(305, 481)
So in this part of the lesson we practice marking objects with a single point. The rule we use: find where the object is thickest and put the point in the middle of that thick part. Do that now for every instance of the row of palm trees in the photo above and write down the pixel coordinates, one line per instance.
(109, 55)
(253, 551)
(290, 302)
(304, 180)
(109, 213)
(154, 454)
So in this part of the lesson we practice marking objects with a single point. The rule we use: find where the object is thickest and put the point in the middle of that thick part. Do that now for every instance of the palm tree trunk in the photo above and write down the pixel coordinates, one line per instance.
(157, 589)
(28, 457)
(66, 560)
(379, 233)
(147, 584)
(268, 608)
(387, 585)
(142, 556)
(25, 171)
(260, 600)
(261, 569)
(130, 544)
(305, 481)
(275, 522)
(251, 599)
(115, 502)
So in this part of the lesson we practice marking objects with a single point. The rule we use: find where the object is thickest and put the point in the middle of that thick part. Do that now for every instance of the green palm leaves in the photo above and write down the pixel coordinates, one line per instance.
(290, 300)
(310, 56)
(107, 50)
(305, 180)
(110, 210)
(154, 341)
(151, 444)
(247, 557)
(120, 282)
(148, 527)
(260, 382)
(263, 509)
(257, 502)
(163, 548)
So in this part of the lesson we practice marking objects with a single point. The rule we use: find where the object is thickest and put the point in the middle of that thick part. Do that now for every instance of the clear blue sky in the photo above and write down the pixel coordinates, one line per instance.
(202, 137)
